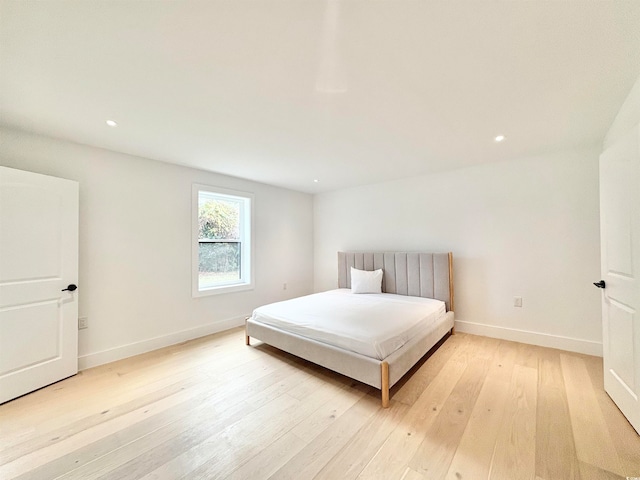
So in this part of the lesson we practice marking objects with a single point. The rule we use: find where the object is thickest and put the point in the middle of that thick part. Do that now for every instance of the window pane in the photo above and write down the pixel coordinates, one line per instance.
(219, 263)
(219, 218)
(219, 240)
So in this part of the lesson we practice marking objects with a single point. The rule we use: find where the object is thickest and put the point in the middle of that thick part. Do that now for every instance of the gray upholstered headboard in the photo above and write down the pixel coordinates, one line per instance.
(427, 275)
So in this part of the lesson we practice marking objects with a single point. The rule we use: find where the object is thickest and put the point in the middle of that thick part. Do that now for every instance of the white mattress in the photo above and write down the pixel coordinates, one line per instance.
(374, 325)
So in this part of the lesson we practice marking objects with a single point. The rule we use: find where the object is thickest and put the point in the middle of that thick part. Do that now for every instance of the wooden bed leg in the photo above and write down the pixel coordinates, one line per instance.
(384, 373)
(451, 307)
(247, 339)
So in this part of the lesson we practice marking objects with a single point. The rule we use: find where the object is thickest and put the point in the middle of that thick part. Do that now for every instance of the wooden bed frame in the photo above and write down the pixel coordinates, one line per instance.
(417, 274)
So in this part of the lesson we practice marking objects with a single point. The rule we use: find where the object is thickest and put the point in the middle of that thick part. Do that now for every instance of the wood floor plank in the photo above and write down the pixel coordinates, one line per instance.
(226, 450)
(177, 459)
(216, 408)
(42, 403)
(555, 449)
(312, 458)
(276, 389)
(514, 452)
(188, 440)
(472, 458)
(349, 462)
(94, 463)
(411, 388)
(392, 459)
(326, 415)
(411, 474)
(267, 461)
(133, 443)
(528, 355)
(96, 432)
(92, 419)
(121, 386)
(440, 441)
(591, 472)
(625, 439)
(587, 420)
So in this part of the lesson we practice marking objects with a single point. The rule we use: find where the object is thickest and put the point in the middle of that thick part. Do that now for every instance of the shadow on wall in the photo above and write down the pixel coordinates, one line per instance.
(471, 288)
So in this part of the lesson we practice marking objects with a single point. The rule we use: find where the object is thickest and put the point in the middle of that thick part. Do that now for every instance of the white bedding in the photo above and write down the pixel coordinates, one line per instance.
(374, 325)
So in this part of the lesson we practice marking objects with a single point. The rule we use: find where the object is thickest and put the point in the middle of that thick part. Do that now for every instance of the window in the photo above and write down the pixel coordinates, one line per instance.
(222, 235)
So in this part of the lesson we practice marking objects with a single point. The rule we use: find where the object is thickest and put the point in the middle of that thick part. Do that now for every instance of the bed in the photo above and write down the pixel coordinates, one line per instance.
(410, 280)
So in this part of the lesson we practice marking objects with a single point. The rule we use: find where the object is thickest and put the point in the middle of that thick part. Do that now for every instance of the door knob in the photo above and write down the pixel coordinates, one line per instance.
(600, 284)
(70, 288)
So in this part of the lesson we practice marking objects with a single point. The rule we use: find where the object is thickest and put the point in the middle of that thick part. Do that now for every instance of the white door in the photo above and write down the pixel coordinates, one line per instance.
(38, 259)
(620, 254)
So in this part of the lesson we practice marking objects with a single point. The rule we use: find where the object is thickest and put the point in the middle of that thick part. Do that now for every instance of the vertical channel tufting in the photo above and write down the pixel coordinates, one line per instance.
(342, 270)
(350, 263)
(426, 275)
(368, 261)
(441, 280)
(390, 272)
(413, 274)
(358, 261)
(401, 274)
(378, 263)
(433, 275)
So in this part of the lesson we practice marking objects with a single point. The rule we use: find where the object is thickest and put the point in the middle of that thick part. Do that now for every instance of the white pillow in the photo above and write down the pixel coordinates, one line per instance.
(363, 281)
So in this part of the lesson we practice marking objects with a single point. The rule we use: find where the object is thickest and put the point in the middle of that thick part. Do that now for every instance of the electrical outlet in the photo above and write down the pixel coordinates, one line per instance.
(517, 301)
(83, 322)
(284, 286)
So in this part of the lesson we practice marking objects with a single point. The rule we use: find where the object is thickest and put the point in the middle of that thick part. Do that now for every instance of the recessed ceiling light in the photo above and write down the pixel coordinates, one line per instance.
(315, 180)
(111, 123)
(499, 138)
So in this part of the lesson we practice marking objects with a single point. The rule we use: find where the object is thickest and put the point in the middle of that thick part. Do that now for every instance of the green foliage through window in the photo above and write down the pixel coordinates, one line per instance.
(220, 257)
(219, 219)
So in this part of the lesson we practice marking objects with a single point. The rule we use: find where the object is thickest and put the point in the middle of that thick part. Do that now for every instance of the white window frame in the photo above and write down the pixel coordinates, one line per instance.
(247, 252)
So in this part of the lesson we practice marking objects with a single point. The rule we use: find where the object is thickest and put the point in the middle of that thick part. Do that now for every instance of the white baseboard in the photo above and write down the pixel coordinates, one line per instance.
(534, 338)
(587, 347)
(118, 353)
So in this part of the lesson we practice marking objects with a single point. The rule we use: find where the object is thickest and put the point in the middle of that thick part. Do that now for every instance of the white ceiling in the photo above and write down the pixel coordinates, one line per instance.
(346, 91)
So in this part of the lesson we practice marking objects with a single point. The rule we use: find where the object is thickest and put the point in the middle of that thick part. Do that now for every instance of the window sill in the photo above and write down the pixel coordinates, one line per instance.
(242, 287)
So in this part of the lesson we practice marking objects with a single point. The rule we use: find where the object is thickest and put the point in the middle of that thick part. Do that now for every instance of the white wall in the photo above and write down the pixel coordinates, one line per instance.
(135, 246)
(528, 227)
(628, 116)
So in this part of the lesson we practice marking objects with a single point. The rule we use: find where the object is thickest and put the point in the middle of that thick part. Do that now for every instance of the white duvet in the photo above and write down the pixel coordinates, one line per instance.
(375, 325)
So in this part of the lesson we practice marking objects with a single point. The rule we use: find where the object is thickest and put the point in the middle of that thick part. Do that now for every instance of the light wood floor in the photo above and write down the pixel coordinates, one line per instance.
(214, 408)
